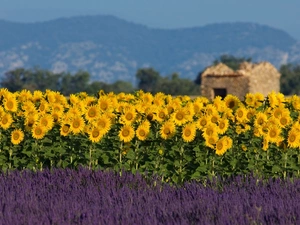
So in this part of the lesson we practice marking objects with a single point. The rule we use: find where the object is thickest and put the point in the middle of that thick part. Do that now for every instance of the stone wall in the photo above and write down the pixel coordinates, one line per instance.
(261, 77)
(235, 85)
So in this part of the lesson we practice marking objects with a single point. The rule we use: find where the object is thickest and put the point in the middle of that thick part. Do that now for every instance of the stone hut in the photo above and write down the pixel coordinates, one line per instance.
(249, 78)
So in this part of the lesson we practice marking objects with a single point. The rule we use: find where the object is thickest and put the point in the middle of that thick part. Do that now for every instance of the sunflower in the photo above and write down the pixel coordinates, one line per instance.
(11, 104)
(17, 136)
(57, 107)
(198, 106)
(259, 99)
(64, 129)
(189, 111)
(210, 130)
(260, 119)
(202, 122)
(227, 141)
(92, 113)
(265, 144)
(161, 114)
(129, 116)
(219, 103)
(210, 109)
(30, 120)
(273, 134)
(6, 120)
(37, 95)
(250, 99)
(293, 139)
(77, 124)
(278, 112)
(24, 96)
(214, 117)
(95, 134)
(210, 141)
(38, 132)
(221, 146)
(57, 116)
(231, 101)
(47, 121)
(159, 99)
(167, 130)
(147, 97)
(44, 107)
(272, 99)
(223, 125)
(250, 114)
(126, 133)
(142, 131)
(241, 114)
(180, 116)
(296, 102)
(104, 103)
(285, 120)
(104, 123)
(189, 132)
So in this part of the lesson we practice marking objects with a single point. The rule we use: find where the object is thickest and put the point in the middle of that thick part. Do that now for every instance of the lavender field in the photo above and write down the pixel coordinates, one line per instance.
(65, 196)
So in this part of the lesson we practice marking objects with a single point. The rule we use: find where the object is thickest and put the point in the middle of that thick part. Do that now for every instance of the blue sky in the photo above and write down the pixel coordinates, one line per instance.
(162, 13)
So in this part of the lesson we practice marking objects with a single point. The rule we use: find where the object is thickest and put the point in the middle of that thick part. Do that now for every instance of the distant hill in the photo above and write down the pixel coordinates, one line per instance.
(113, 49)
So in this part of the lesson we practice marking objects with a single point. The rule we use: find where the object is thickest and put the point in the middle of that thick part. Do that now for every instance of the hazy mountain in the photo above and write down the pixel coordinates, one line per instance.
(113, 49)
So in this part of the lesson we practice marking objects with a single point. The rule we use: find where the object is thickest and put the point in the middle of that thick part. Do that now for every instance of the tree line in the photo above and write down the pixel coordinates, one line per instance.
(66, 83)
(148, 79)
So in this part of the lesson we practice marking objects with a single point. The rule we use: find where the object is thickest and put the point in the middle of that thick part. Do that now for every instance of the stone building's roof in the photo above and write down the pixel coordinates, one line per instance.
(219, 70)
(246, 68)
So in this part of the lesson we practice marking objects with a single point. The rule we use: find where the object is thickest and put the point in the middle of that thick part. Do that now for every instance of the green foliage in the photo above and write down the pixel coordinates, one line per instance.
(290, 79)
(66, 83)
(231, 61)
(150, 80)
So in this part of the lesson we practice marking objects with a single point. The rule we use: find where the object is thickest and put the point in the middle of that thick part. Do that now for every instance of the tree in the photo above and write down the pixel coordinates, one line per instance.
(174, 85)
(231, 61)
(290, 79)
(14, 80)
(148, 79)
(78, 82)
(36, 79)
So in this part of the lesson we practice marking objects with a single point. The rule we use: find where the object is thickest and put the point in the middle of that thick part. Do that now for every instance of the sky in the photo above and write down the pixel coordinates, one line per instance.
(168, 14)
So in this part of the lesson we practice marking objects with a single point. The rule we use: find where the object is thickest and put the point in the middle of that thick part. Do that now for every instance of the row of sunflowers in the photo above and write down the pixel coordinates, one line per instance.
(176, 137)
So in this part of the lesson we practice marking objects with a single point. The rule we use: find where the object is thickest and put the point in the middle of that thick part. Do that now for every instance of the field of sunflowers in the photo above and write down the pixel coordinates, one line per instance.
(148, 158)
(176, 138)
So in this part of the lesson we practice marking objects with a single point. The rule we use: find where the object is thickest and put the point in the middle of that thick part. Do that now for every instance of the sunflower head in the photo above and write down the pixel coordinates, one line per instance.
(167, 130)
(189, 132)
(11, 103)
(64, 129)
(126, 133)
(142, 131)
(231, 101)
(95, 134)
(17, 136)
(38, 132)
(6, 120)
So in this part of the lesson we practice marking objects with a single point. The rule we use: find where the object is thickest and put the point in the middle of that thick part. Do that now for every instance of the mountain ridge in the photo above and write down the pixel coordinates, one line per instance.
(113, 49)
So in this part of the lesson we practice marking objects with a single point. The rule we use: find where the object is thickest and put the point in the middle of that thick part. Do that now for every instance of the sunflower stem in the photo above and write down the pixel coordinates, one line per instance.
(120, 158)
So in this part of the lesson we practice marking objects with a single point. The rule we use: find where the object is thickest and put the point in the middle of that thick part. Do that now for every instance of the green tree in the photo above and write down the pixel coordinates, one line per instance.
(14, 80)
(290, 79)
(35, 79)
(231, 61)
(71, 84)
(174, 85)
(148, 79)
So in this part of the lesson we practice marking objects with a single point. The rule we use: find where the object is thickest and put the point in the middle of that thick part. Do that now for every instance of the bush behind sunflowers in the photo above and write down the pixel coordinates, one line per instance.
(176, 138)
